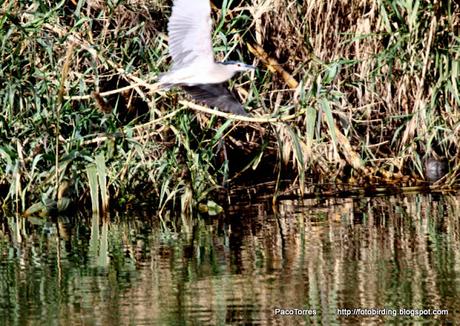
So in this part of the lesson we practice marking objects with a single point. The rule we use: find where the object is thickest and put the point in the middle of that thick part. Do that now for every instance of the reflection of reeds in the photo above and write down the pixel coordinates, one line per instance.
(397, 252)
(356, 91)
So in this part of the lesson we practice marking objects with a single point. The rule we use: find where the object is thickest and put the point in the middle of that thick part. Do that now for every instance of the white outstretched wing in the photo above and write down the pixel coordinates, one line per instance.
(189, 31)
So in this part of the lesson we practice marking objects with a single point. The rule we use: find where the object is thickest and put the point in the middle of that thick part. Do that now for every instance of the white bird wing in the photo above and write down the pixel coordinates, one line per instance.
(189, 31)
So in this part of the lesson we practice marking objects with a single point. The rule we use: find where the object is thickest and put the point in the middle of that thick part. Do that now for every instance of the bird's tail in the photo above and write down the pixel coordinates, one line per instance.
(164, 82)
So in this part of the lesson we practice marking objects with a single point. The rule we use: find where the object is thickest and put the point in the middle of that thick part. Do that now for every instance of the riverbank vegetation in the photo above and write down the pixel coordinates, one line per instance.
(347, 94)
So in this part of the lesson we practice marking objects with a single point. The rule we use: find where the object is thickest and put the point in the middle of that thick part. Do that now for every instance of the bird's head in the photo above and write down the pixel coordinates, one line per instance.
(237, 66)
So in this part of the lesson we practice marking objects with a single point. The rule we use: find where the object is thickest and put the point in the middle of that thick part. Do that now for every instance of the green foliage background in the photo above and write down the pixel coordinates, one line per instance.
(364, 93)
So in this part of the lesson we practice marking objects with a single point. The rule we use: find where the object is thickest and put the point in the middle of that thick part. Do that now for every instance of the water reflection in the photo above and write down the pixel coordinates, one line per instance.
(323, 257)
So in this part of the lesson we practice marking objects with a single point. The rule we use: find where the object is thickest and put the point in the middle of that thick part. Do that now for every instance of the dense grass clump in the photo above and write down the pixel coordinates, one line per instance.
(346, 92)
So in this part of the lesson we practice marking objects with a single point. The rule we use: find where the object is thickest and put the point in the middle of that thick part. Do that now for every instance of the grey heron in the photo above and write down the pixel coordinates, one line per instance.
(193, 66)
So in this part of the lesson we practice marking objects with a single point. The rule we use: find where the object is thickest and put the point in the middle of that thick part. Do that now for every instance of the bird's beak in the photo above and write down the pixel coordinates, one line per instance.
(249, 67)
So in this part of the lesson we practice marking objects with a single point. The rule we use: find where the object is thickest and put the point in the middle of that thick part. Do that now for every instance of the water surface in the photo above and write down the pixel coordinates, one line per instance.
(322, 259)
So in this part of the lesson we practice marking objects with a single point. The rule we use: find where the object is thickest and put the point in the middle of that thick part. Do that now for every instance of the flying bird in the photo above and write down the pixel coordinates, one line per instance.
(193, 66)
